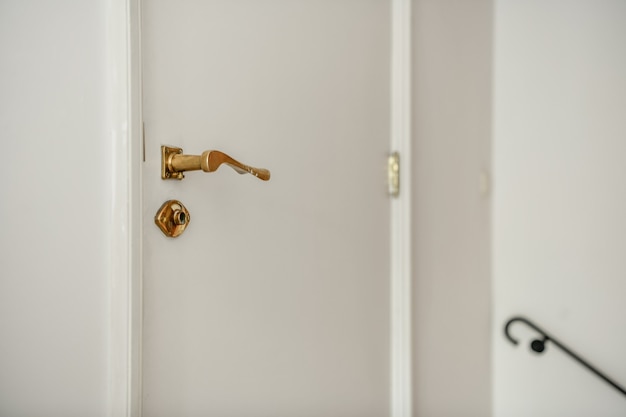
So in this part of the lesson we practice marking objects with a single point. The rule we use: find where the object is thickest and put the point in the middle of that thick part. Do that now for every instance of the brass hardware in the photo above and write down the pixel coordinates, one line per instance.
(172, 218)
(174, 163)
(393, 174)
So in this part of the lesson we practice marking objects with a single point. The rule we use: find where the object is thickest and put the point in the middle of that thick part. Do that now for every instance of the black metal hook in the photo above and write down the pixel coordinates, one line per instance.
(539, 345)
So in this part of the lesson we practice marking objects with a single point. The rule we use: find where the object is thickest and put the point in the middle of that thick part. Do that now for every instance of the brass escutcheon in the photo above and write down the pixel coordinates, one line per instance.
(172, 218)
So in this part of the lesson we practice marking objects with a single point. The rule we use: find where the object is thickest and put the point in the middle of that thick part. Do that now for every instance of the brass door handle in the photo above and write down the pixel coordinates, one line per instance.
(174, 163)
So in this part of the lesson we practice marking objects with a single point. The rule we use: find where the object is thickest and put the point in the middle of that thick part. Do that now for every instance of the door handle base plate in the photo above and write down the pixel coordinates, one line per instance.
(167, 173)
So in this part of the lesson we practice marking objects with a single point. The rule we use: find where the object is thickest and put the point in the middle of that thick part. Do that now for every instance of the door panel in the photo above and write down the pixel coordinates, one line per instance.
(275, 300)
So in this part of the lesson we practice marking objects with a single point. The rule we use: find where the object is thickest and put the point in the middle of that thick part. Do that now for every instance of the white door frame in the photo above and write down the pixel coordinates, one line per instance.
(401, 231)
(124, 69)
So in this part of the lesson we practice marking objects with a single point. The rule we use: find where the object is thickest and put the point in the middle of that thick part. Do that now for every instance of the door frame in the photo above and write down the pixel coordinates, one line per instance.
(125, 297)
(125, 291)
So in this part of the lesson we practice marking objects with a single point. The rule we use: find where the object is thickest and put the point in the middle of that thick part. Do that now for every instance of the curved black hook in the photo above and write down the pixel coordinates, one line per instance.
(539, 345)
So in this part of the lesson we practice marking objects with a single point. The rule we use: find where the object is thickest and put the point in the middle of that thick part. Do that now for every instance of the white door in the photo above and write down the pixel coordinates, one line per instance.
(275, 299)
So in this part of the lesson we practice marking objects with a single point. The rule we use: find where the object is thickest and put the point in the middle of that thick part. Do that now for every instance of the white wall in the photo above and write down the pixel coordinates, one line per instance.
(559, 227)
(452, 130)
(55, 205)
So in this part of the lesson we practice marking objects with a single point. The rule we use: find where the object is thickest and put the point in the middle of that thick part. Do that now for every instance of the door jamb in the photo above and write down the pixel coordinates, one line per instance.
(124, 64)
(401, 232)
(125, 120)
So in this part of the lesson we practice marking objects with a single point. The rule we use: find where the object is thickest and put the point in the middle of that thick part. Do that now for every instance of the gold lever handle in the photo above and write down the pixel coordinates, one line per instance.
(174, 163)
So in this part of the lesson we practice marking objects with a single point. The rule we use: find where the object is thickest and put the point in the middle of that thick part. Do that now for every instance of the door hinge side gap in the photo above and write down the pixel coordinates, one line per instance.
(143, 141)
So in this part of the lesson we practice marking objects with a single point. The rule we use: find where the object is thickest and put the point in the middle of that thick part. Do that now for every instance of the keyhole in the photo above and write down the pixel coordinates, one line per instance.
(180, 217)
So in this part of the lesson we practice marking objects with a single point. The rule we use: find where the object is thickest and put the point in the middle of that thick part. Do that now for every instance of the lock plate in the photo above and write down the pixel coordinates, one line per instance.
(172, 218)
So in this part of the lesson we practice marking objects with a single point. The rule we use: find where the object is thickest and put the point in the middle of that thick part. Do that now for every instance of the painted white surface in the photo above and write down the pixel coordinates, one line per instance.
(276, 299)
(558, 234)
(559, 230)
(451, 215)
(55, 202)
(56, 349)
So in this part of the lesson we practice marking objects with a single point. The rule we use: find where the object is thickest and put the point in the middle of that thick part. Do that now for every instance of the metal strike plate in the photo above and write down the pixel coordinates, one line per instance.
(393, 174)
(172, 218)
